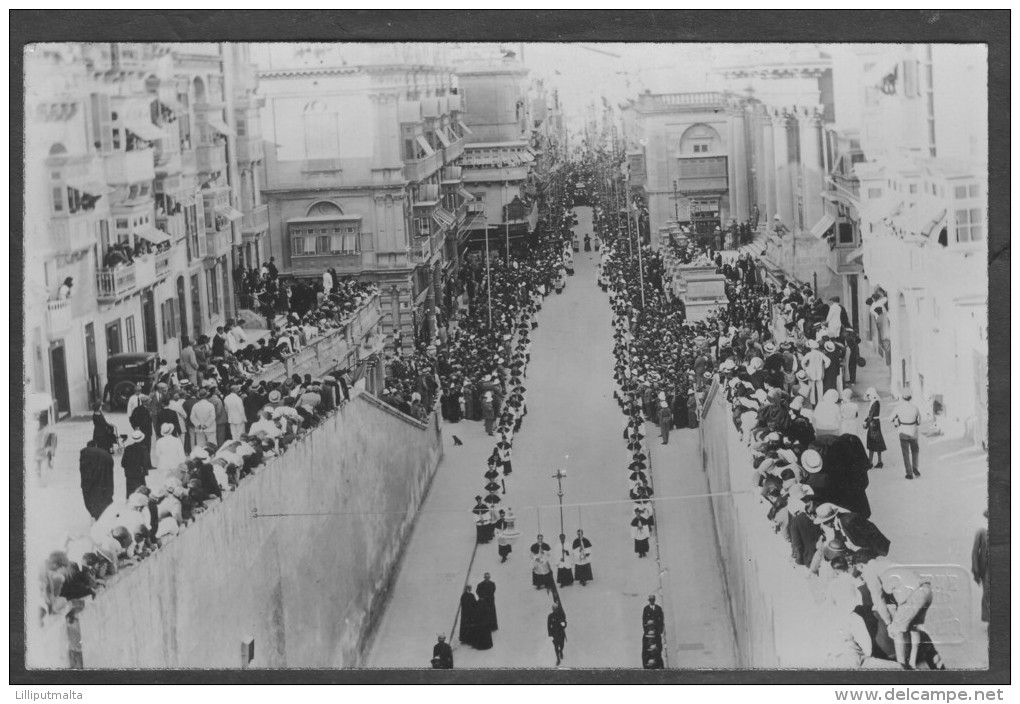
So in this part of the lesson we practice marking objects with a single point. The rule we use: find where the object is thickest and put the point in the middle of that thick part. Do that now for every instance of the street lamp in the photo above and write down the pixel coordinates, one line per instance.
(559, 477)
(488, 271)
(641, 264)
(506, 214)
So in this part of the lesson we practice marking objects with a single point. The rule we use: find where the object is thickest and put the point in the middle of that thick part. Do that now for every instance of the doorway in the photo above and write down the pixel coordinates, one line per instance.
(196, 308)
(854, 304)
(182, 305)
(149, 332)
(58, 372)
(95, 387)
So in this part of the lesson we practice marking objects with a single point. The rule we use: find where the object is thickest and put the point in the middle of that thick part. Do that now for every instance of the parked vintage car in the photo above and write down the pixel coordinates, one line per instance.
(128, 371)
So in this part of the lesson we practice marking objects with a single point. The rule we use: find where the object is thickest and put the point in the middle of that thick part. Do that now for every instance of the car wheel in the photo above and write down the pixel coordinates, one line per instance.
(121, 393)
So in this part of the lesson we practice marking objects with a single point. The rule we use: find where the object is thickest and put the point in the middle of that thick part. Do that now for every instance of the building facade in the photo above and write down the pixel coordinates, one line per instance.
(923, 221)
(680, 148)
(129, 194)
(361, 170)
(498, 153)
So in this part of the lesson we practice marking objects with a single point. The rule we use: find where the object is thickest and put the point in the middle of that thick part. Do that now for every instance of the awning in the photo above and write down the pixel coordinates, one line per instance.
(220, 126)
(878, 210)
(93, 188)
(822, 226)
(451, 134)
(145, 130)
(855, 256)
(530, 151)
(443, 217)
(443, 138)
(229, 212)
(923, 220)
(525, 157)
(426, 147)
(465, 195)
(467, 130)
(152, 234)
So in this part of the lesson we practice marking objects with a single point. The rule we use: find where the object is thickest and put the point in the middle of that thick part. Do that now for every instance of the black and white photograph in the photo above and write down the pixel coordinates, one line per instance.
(547, 356)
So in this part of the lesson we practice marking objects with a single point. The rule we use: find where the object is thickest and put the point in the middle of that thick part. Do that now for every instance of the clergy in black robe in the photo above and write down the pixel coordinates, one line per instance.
(582, 559)
(486, 591)
(135, 462)
(96, 467)
(468, 616)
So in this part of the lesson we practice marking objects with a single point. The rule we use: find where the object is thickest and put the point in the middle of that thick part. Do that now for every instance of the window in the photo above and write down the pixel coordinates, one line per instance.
(960, 192)
(974, 191)
(212, 290)
(240, 124)
(422, 227)
(168, 314)
(113, 338)
(191, 230)
(479, 197)
(129, 332)
(969, 225)
(297, 246)
(322, 139)
(58, 200)
(913, 188)
(874, 193)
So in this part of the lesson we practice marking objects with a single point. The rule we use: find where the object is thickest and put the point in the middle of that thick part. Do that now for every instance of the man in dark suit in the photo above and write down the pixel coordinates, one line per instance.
(556, 627)
(653, 613)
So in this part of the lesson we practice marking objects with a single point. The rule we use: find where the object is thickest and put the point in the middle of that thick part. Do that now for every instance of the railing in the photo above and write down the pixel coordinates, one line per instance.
(255, 221)
(129, 167)
(211, 157)
(689, 99)
(455, 150)
(162, 263)
(217, 243)
(420, 169)
(357, 338)
(114, 284)
(58, 316)
(847, 185)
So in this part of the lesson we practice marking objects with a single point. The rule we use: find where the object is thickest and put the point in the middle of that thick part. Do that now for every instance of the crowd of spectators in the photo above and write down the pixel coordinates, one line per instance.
(786, 363)
(206, 426)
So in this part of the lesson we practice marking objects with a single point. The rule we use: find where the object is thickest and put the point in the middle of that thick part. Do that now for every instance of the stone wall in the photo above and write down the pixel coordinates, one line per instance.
(780, 623)
(299, 558)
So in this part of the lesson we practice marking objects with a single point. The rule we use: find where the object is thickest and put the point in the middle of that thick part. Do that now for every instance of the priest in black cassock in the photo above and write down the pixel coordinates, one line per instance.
(486, 591)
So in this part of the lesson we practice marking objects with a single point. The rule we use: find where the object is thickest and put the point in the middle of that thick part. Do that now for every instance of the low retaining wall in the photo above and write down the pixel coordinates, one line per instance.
(779, 619)
(299, 558)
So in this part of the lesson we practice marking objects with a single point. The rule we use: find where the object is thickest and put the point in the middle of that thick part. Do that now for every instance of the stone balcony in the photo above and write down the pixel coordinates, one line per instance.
(119, 282)
(58, 316)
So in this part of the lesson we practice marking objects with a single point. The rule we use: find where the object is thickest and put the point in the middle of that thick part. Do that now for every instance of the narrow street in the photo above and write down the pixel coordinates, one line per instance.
(574, 424)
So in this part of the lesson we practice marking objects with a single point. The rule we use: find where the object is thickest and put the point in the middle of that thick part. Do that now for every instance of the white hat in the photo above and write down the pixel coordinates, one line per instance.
(166, 428)
(811, 461)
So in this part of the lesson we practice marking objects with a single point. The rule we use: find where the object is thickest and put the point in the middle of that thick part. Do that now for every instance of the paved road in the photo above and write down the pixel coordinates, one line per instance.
(573, 423)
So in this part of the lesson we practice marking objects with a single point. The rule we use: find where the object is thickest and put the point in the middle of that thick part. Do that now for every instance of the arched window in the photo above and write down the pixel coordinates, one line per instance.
(58, 149)
(324, 208)
(700, 139)
(199, 91)
(322, 138)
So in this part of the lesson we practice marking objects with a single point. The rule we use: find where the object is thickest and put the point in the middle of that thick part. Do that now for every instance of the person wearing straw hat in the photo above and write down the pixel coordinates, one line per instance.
(169, 450)
(135, 462)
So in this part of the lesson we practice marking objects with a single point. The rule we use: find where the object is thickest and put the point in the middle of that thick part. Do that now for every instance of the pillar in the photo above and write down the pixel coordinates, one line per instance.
(810, 123)
(732, 147)
(742, 209)
(784, 191)
(767, 172)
